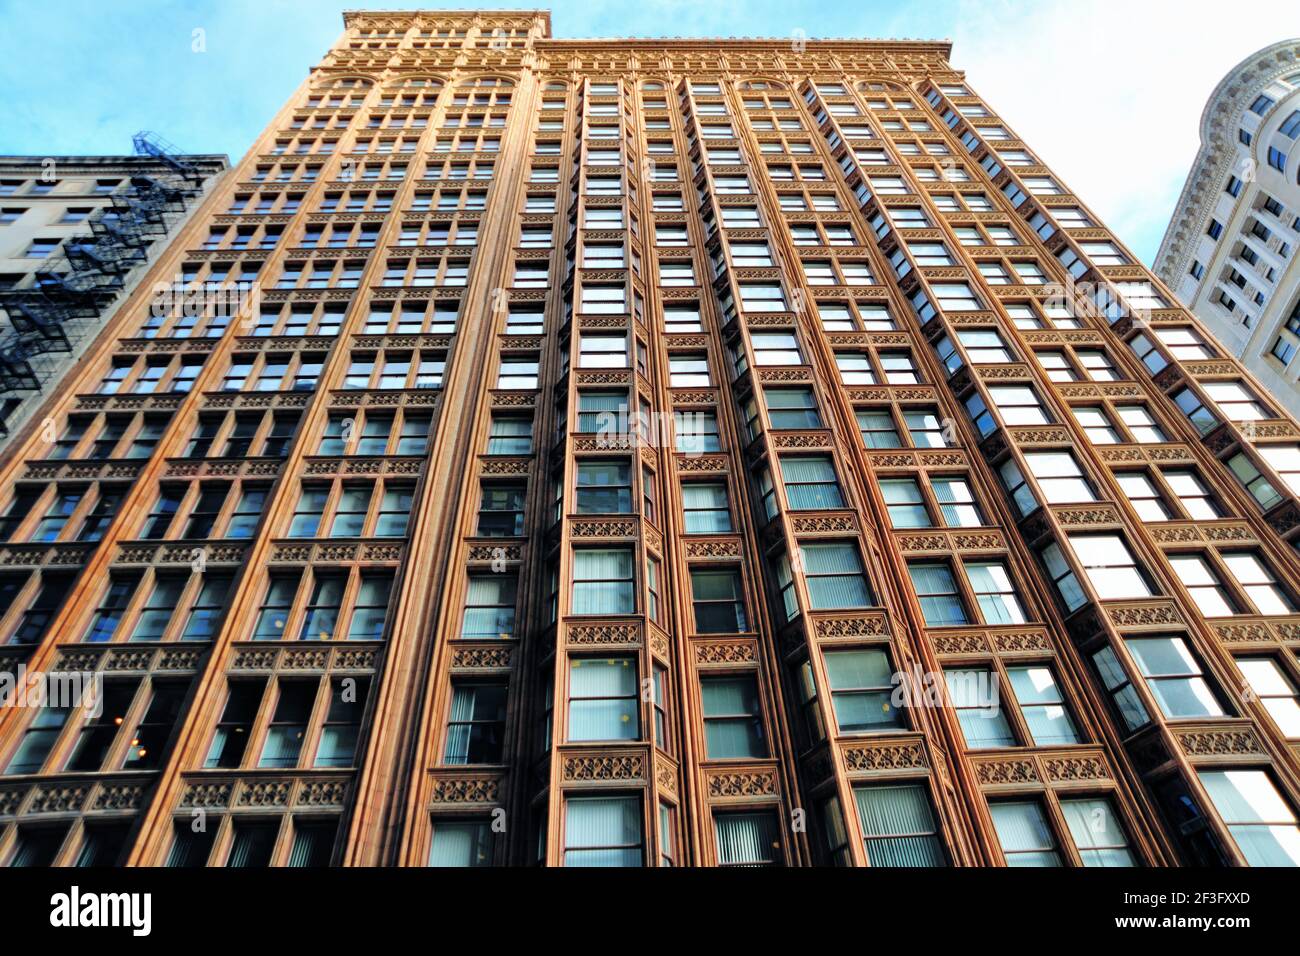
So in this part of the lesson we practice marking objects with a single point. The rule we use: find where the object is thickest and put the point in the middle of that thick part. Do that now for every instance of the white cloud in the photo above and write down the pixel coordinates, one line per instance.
(1110, 92)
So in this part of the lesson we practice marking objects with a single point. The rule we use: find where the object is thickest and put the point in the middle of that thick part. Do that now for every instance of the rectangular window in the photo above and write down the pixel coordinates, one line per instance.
(747, 839)
(733, 723)
(937, 591)
(905, 503)
(810, 483)
(1042, 705)
(1256, 814)
(1174, 677)
(835, 576)
(705, 508)
(288, 725)
(1097, 833)
(975, 696)
(862, 687)
(1275, 690)
(604, 487)
(603, 831)
(1110, 566)
(603, 699)
(1025, 835)
(476, 725)
(995, 592)
(460, 843)
(342, 726)
(898, 826)
(603, 581)
(718, 600)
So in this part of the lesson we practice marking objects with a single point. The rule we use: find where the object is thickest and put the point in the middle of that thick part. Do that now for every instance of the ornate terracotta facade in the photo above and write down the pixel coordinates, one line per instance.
(651, 452)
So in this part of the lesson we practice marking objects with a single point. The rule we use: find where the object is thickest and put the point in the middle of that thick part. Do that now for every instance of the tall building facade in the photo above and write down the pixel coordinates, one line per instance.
(652, 453)
(76, 233)
(1230, 251)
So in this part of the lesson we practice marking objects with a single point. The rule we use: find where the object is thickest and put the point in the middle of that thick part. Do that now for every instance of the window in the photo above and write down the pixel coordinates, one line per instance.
(1025, 835)
(517, 374)
(1237, 402)
(1274, 690)
(460, 844)
(501, 511)
(975, 696)
(603, 699)
(276, 607)
(342, 723)
(1042, 706)
(984, 346)
(1173, 676)
(1096, 425)
(855, 368)
(600, 411)
(747, 839)
(733, 725)
(1059, 477)
(1097, 833)
(604, 487)
(603, 831)
(810, 483)
(898, 826)
(288, 726)
(696, 432)
(1143, 495)
(158, 610)
(1019, 405)
(351, 510)
(1254, 482)
(706, 509)
(38, 740)
(1110, 566)
(1258, 581)
(207, 608)
(603, 581)
(775, 348)
(762, 297)
(835, 576)
(937, 591)
(926, 428)
(862, 686)
(369, 611)
(476, 725)
(877, 429)
(1258, 817)
(1203, 584)
(994, 592)
(905, 503)
(688, 370)
(510, 436)
(190, 848)
(718, 600)
(602, 351)
(489, 607)
(1141, 424)
(956, 503)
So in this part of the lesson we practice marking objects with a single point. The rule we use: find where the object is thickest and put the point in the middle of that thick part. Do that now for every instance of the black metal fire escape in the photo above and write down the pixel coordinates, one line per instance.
(73, 288)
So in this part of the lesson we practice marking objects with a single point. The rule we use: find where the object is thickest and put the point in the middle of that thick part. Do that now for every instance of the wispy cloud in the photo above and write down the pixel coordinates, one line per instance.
(1110, 92)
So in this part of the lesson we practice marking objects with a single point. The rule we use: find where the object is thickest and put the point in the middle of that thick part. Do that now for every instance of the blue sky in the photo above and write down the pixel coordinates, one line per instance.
(83, 77)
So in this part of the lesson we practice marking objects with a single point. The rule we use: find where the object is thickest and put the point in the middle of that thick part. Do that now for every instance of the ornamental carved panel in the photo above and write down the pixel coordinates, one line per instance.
(625, 767)
(885, 757)
(741, 784)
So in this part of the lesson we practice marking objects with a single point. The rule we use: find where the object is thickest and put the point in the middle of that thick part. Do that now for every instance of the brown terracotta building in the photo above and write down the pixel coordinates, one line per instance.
(648, 452)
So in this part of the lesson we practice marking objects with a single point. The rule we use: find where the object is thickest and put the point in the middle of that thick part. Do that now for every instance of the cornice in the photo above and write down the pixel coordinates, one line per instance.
(71, 165)
(1218, 151)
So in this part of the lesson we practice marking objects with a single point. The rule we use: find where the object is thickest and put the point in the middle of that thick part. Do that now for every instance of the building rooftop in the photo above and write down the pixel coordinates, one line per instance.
(943, 46)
